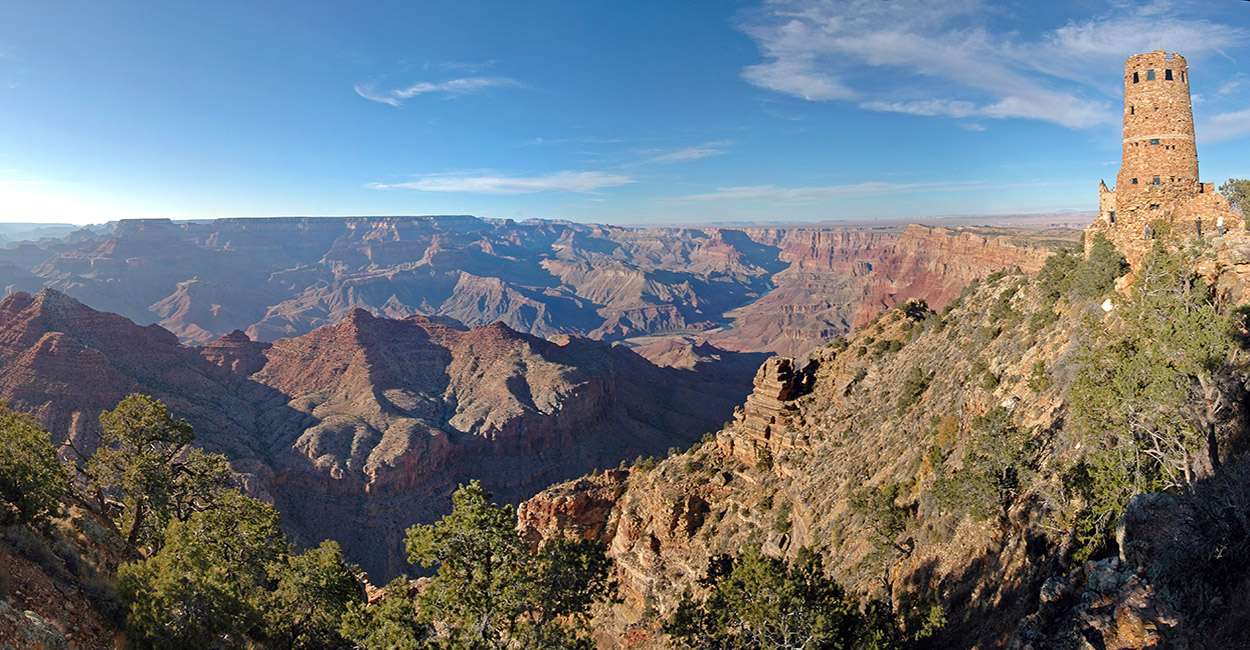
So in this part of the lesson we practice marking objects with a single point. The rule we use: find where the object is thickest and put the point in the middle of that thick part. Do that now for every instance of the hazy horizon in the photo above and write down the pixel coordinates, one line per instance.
(783, 111)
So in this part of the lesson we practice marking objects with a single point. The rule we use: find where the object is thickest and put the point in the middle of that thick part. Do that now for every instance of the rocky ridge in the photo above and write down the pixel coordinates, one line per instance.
(358, 429)
(282, 277)
(890, 410)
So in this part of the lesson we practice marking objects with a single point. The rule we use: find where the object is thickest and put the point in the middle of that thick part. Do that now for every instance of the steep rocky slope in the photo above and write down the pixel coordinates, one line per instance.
(283, 277)
(358, 429)
(838, 280)
(55, 587)
(897, 411)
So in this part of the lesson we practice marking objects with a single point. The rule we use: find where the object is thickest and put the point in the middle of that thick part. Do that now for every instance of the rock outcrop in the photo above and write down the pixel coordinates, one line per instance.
(769, 407)
(893, 408)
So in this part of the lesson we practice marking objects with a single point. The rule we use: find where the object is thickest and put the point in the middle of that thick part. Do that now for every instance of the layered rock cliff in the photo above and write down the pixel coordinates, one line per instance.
(838, 280)
(358, 429)
(782, 290)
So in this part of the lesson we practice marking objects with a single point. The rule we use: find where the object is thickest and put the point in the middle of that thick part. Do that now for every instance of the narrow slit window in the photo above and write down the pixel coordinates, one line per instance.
(1157, 181)
(1150, 74)
(1167, 75)
(1132, 110)
(1154, 141)
(1182, 76)
(1133, 181)
(1135, 79)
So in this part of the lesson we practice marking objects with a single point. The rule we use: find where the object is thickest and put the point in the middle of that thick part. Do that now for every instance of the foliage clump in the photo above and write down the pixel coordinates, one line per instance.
(1237, 191)
(758, 602)
(146, 463)
(32, 480)
(490, 588)
(1000, 461)
(880, 509)
(1069, 276)
(1097, 273)
(1150, 394)
(914, 385)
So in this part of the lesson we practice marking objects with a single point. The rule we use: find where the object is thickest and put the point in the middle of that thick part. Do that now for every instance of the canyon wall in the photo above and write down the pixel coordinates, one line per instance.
(359, 429)
(780, 290)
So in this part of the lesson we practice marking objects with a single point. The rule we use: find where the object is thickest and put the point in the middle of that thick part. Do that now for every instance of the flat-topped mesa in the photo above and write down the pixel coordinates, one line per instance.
(778, 383)
(1158, 184)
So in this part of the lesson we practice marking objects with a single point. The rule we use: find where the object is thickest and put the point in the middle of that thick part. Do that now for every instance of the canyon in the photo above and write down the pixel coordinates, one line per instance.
(752, 289)
(852, 452)
(355, 371)
(357, 430)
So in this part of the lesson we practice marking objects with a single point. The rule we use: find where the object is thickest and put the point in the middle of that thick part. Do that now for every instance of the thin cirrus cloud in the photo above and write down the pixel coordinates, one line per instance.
(1225, 126)
(804, 194)
(448, 89)
(688, 154)
(948, 62)
(578, 182)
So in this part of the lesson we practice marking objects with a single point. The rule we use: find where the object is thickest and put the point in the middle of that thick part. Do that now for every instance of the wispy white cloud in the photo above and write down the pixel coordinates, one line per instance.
(797, 78)
(947, 62)
(589, 139)
(449, 88)
(1229, 87)
(687, 154)
(1225, 126)
(809, 193)
(929, 107)
(565, 181)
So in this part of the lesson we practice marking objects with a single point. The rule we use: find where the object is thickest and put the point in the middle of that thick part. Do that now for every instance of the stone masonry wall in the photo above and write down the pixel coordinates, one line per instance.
(1158, 182)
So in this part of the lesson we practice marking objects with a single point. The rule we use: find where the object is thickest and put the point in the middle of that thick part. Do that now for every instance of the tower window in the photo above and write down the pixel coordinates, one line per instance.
(1156, 180)
(1154, 206)
(1132, 110)
(1150, 74)
(1167, 75)
(1154, 141)
(1133, 181)
(1182, 76)
(1135, 79)
(1112, 216)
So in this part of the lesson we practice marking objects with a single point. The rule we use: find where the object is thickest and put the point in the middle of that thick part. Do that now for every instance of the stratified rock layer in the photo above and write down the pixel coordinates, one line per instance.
(778, 290)
(359, 429)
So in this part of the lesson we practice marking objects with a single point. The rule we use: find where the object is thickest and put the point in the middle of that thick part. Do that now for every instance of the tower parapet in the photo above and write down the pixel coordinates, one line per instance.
(1158, 182)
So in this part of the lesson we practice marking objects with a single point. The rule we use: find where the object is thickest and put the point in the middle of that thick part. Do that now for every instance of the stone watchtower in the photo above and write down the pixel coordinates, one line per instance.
(1158, 183)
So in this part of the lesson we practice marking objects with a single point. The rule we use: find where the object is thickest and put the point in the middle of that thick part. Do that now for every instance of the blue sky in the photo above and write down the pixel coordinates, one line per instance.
(649, 112)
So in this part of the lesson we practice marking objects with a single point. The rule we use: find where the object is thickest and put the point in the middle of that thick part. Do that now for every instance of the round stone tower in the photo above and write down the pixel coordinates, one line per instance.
(1159, 155)
(1158, 185)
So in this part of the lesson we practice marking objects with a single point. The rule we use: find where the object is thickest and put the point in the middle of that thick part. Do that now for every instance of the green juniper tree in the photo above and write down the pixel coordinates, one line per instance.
(1151, 392)
(1237, 191)
(206, 586)
(145, 461)
(32, 480)
(759, 602)
(490, 588)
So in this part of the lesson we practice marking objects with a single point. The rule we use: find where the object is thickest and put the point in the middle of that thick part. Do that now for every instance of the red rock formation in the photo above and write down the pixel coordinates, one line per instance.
(359, 429)
(841, 279)
(781, 290)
